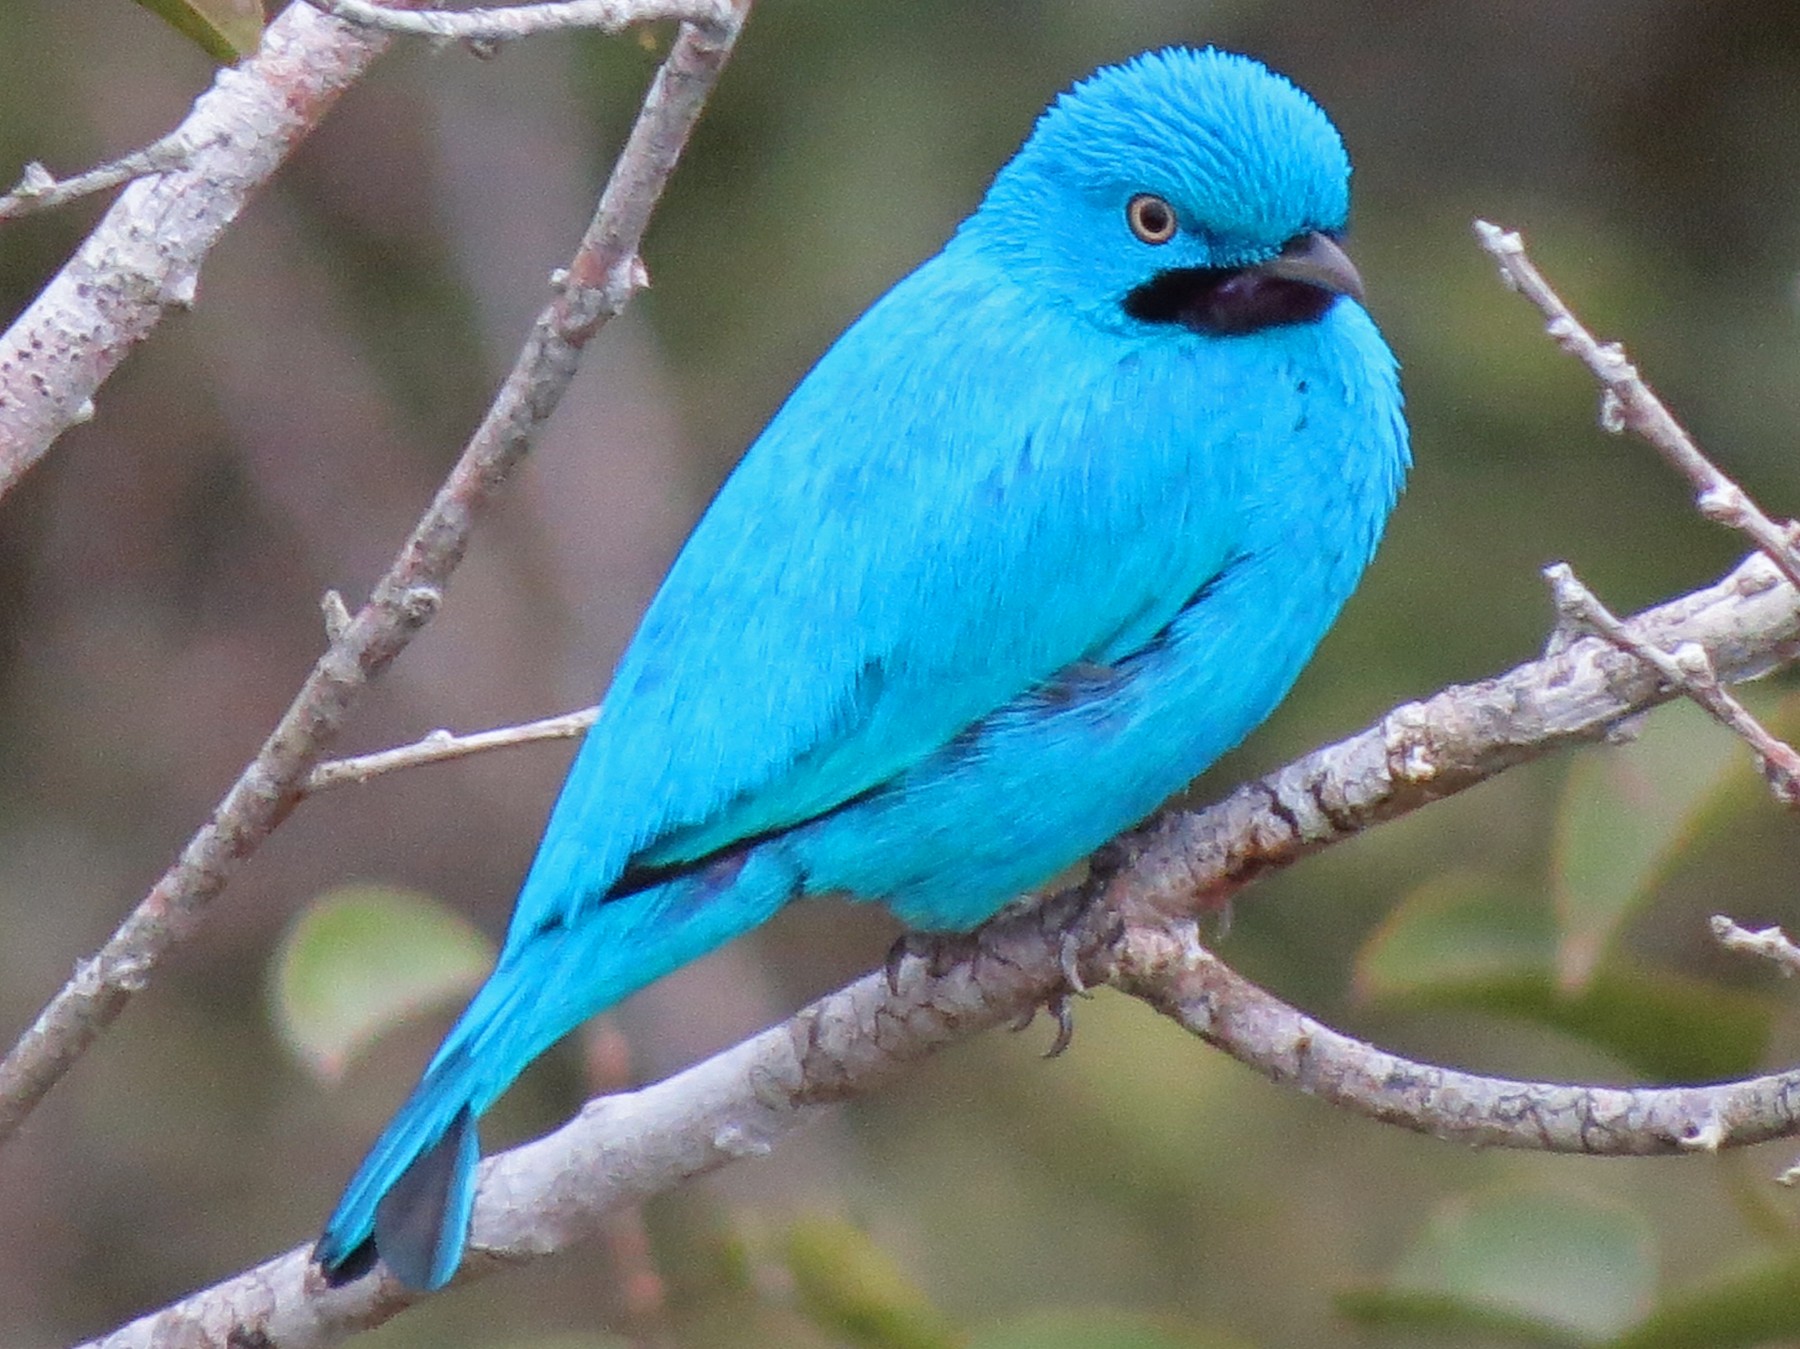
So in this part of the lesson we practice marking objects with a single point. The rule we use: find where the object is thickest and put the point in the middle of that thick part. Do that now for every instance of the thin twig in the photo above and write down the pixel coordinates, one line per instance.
(1628, 403)
(600, 278)
(441, 746)
(1771, 943)
(38, 190)
(1748, 624)
(506, 23)
(143, 259)
(1688, 670)
(1578, 603)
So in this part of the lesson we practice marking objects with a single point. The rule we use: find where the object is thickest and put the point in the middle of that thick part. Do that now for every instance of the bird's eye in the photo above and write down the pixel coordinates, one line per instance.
(1151, 218)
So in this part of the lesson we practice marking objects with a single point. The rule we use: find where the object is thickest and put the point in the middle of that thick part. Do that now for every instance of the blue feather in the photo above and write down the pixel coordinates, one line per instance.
(1047, 530)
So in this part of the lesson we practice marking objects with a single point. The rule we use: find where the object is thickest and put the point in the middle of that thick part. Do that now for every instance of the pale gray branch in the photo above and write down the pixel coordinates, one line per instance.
(440, 746)
(1628, 403)
(601, 276)
(39, 190)
(1169, 969)
(143, 258)
(1771, 943)
(508, 22)
(1130, 925)
(1687, 669)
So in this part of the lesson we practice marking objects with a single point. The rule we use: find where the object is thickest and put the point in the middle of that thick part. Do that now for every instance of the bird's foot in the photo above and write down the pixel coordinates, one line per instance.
(941, 952)
(1060, 1004)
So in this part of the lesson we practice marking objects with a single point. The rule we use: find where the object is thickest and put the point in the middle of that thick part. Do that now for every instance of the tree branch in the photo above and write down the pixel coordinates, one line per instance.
(38, 190)
(602, 275)
(1131, 925)
(1685, 668)
(143, 258)
(507, 23)
(1771, 943)
(1170, 970)
(441, 746)
(1628, 403)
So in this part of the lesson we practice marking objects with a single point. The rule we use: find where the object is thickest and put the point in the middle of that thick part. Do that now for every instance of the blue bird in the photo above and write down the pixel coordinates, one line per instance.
(1046, 531)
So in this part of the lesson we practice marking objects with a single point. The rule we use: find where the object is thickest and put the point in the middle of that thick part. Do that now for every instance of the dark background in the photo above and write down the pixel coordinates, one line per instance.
(160, 575)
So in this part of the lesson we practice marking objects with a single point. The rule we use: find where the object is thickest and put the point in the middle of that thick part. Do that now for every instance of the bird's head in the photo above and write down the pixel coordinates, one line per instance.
(1183, 188)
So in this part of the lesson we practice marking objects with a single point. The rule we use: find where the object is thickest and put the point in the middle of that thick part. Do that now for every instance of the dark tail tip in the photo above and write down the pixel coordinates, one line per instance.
(422, 1223)
(352, 1267)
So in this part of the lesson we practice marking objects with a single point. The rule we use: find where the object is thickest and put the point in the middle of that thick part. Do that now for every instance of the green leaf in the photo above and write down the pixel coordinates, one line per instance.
(1475, 943)
(1451, 1319)
(359, 960)
(1753, 1306)
(849, 1286)
(1567, 1263)
(1454, 931)
(1665, 1026)
(1627, 812)
(1097, 1329)
(224, 29)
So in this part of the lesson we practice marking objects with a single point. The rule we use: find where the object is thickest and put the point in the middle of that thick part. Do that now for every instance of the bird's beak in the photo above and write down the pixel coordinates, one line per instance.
(1316, 260)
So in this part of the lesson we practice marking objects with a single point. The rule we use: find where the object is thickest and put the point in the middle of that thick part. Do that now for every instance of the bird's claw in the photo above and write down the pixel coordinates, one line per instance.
(1068, 960)
(941, 952)
(896, 958)
(1058, 1006)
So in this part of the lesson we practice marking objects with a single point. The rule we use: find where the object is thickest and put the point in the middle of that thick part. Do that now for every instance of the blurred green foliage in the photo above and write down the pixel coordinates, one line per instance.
(158, 584)
(1548, 1267)
(361, 958)
(1624, 818)
(223, 29)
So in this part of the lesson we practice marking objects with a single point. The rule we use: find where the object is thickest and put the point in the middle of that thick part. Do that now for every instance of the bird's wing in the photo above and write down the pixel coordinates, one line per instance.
(929, 528)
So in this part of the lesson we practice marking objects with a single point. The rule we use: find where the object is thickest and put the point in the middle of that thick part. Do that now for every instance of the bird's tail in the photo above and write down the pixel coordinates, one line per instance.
(409, 1202)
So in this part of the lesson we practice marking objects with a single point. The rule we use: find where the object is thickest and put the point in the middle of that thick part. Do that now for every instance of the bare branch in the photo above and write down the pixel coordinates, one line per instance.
(600, 278)
(1627, 402)
(1169, 969)
(1747, 624)
(37, 190)
(1688, 670)
(1129, 925)
(441, 746)
(506, 23)
(553, 1193)
(1771, 943)
(143, 258)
